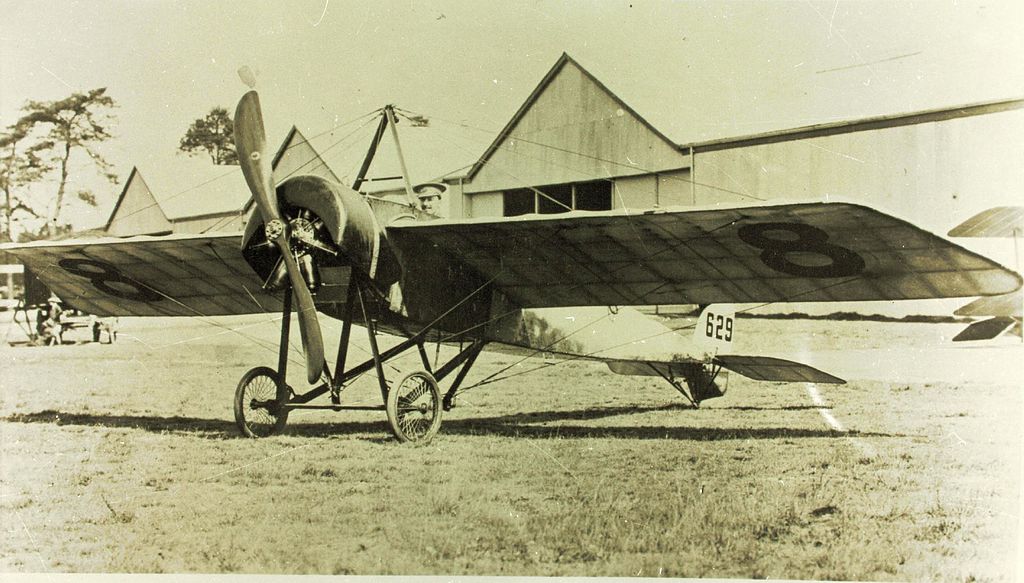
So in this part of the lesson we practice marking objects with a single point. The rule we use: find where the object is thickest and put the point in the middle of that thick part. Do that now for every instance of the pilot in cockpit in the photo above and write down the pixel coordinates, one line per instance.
(429, 194)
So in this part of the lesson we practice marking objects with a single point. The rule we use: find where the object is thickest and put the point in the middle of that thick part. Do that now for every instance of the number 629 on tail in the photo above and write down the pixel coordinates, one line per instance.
(714, 328)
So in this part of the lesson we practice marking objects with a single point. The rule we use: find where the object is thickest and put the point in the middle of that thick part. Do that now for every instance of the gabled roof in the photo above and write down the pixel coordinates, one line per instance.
(656, 103)
(190, 187)
(314, 165)
(187, 188)
(284, 145)
(562, 61)
(132, 176)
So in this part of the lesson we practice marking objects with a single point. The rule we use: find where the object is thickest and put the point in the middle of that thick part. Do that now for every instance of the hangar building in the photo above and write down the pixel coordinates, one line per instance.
(187, 195)
(576, 143)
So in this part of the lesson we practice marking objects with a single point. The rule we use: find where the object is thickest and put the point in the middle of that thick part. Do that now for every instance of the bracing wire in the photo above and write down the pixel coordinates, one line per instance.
(407, 114)
(633, 167)
(569, 357)
(232, 172)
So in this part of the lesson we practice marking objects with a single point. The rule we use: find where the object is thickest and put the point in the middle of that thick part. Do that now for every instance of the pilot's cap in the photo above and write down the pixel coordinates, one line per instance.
(429, 190)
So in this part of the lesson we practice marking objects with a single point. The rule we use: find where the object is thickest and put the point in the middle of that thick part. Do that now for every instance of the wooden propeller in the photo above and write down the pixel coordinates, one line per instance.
(251, 147)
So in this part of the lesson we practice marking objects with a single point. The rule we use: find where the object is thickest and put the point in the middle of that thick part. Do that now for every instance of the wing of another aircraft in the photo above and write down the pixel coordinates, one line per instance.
(771, 253)
(174, 275)
(996, 222)
(1003, 313)
(1002, 305)
(1000, 221)
(985, 329)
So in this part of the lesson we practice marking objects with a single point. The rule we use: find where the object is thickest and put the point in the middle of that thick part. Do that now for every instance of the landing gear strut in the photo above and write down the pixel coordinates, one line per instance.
(697, 384)
(413, 405)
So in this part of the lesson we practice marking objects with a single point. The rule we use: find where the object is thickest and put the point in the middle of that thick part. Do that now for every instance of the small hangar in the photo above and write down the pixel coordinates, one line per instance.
(187, 195)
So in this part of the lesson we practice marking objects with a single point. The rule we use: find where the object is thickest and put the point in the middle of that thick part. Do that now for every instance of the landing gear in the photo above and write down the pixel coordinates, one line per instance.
(414, 407)
(259, 400)
(697, 383)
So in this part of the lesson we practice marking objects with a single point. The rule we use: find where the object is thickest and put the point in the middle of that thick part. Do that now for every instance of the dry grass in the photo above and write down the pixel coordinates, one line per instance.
(126, 458)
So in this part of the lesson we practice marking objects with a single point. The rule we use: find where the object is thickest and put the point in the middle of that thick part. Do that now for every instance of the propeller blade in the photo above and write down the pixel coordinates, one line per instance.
(251, 146)
(309, 325)
(248, 76)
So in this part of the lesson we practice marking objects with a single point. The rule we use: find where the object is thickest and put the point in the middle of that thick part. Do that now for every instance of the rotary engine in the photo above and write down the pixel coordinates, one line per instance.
(327, 225)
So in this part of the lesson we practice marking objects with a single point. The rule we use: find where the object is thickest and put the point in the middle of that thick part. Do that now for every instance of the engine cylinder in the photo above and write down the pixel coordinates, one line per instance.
(351, 229)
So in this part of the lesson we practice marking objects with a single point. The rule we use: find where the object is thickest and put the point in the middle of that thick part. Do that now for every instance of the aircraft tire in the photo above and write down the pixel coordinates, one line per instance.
(258, 392)
(414, 407)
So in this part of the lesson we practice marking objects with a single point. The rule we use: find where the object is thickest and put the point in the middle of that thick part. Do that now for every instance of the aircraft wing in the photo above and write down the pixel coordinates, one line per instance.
(1000, 221)
(807, 252)
(758, 368)
(1003, 305)
(985, 329)
(174, 275)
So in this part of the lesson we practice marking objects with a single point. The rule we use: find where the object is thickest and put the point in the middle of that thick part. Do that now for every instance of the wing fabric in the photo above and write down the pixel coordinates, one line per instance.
(792, 252)
(1000, 221)
(1004, 305)
(985, 329)
(758, 368)
(175, 275)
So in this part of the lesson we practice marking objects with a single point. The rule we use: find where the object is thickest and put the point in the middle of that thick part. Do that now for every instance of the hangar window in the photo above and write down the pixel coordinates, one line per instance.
(555, 199)
(519, 202)
(594, 196)
(559, 198)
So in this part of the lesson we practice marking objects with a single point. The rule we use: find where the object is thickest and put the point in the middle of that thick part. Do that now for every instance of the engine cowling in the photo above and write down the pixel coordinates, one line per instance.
(329, 225)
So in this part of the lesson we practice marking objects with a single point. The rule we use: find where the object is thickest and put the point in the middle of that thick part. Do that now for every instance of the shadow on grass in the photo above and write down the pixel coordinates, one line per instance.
(768, 408)
(190, 425)
(514, 425)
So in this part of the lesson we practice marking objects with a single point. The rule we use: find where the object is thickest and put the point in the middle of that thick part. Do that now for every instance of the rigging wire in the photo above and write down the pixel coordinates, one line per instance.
(210, 320)
(582, 155)
(232, 172)
(579, 285)
(592, 355)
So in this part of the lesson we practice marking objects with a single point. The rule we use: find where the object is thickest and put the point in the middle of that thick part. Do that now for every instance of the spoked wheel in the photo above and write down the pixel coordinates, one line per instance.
(414, 407)
(258, 400)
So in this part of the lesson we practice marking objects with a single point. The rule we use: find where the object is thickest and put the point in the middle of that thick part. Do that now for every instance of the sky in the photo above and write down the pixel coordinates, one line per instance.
(697, 70)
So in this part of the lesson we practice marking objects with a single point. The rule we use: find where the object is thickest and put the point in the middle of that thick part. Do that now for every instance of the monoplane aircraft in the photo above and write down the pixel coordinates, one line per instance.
(323, 247)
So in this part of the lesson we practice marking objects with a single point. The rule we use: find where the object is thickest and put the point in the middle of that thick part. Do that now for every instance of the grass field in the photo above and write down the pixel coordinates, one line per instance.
(125, 458)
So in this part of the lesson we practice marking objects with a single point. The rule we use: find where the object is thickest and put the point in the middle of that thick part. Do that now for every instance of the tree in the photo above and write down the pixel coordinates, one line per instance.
(18, 170)
(215, 134)
(61, 128)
